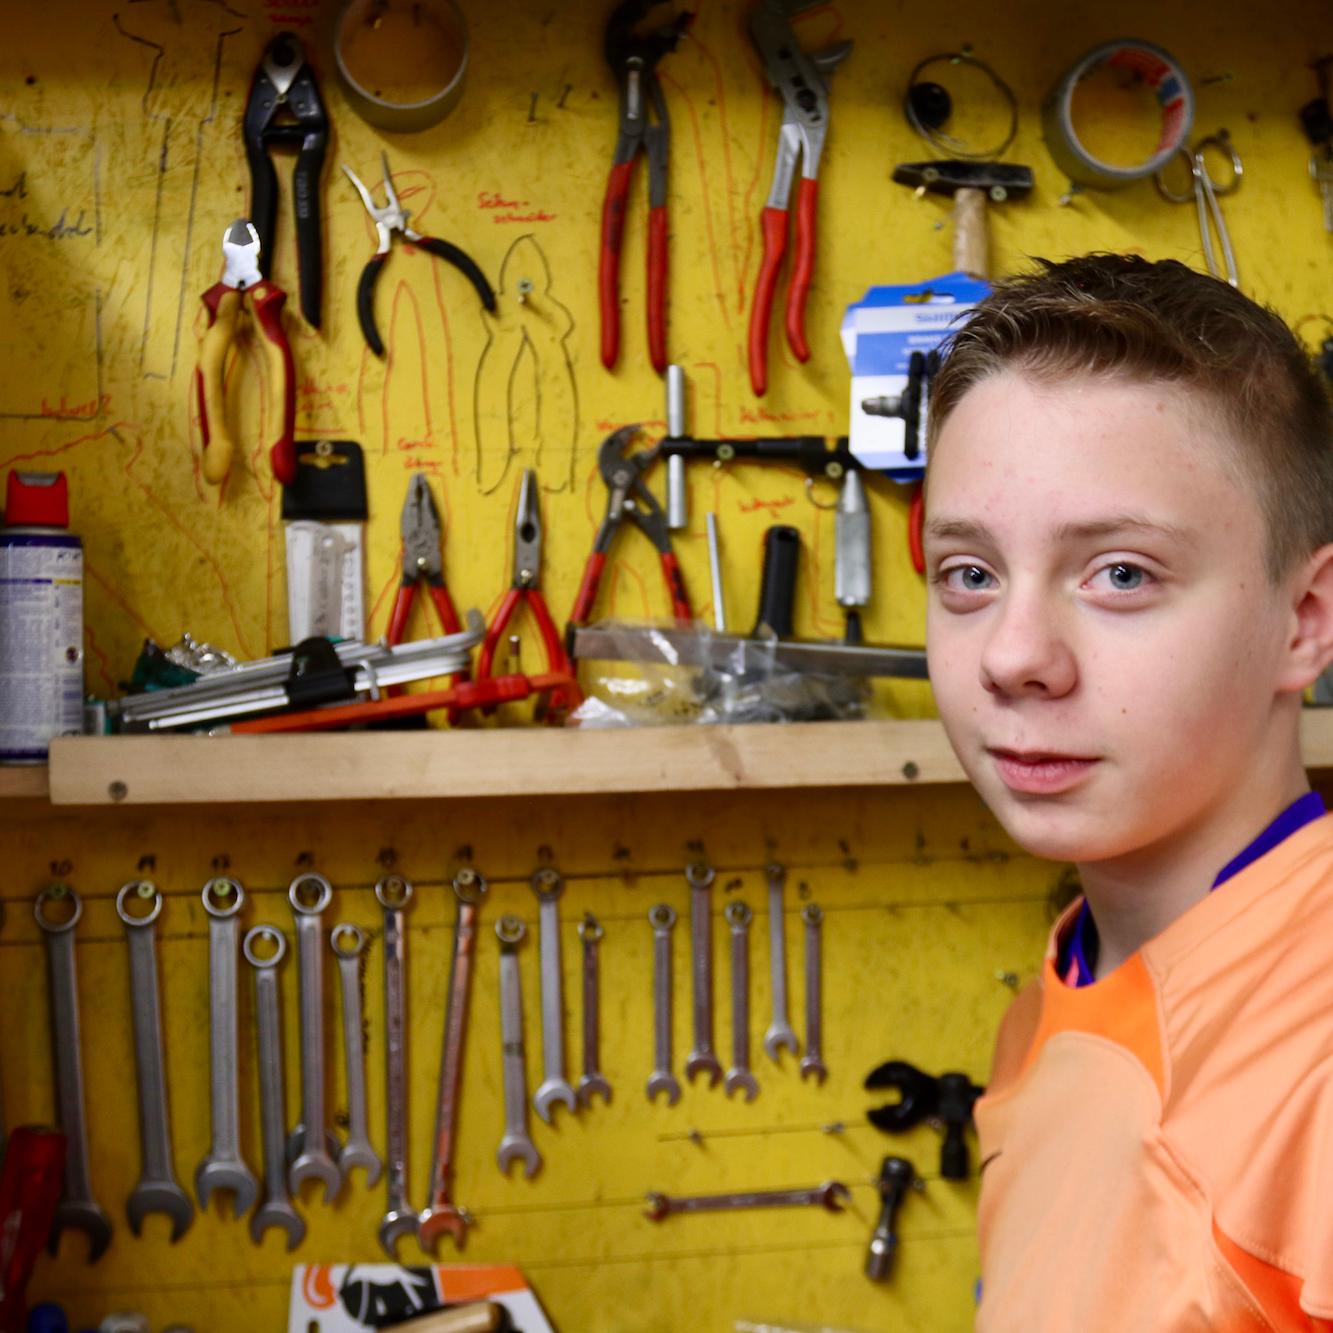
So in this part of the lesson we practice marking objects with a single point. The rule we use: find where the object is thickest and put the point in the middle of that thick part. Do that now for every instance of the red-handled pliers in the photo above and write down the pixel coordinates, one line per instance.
(798, 76)
(628, 498)
(526, 586)
(422, 560)
(633, 59)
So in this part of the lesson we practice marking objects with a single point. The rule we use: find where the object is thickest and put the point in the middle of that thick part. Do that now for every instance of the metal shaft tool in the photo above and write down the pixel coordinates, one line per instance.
(812, 1062)
(739, 1076)
(662, 918)
(224, 1168)
(516, 1143)
(441, 1215)
(779, 1032)
(702, 1058)
(831, 1195)
(348, 944)
(592, 1083)
(77, 1210)
(896, 1176)
(400, 1218)
(157, 1190)
(555, 1089)
(264, 948)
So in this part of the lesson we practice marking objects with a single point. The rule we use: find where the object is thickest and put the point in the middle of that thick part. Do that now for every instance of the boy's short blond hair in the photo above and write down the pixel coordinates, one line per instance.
(1124, 316)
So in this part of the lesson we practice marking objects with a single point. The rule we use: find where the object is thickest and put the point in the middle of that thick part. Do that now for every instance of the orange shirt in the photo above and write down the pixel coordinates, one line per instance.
(1157, 1149)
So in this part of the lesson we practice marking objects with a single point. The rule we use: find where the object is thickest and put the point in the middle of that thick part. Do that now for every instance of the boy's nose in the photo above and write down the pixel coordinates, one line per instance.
(1026, 653)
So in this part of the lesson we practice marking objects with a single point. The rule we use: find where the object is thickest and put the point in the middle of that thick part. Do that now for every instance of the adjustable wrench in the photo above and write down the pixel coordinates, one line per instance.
(276, 1210)
(555, 1089)
(224, 1168)
(740, 1075)
(441, 1214)
(77, 1209)
(157, 1190)
(779, 1032)
(592, 1082)
(516, 1143)
(663, 920)
(702, 1059)
(812, 1063)
(309, 895)
(357, 1150)
(400, 1218)
(832, 1194)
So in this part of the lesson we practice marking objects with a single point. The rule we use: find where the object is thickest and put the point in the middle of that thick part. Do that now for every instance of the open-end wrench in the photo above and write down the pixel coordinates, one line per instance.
(554, 1089)
(157, 1190)
(702, 1059)
(276, 1209)
(517, 1144)
(740, 1076)
(400, 1218)
(832, 1194)
(309, 895)
(348, 944)
(224, 1168)
(812, 1062)
(779, 1032)
(663, 920)
(441, 1215)
(77, 1210)
(593, 1082)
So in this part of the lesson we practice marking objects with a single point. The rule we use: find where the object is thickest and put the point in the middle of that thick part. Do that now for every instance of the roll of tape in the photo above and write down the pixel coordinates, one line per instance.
(401, 62)
(1175, 100)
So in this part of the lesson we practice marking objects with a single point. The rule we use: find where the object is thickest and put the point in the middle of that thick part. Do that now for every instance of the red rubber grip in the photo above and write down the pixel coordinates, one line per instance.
(803, 267)
(444, 607)
(608, 271)
(486, 657)
(268, 302)
(402, 608)
(675, 581)
(587, 595)
(657, 287)
(774, 223)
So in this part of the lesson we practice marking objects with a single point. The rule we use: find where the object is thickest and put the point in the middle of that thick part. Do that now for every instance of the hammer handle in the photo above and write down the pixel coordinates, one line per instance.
(971, 239)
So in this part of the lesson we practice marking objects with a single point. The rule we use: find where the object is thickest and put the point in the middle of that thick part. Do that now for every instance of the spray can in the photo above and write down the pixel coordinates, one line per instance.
(41, 618)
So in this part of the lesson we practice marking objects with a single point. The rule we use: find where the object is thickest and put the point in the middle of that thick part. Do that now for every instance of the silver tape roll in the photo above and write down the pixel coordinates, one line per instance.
(1160, 73)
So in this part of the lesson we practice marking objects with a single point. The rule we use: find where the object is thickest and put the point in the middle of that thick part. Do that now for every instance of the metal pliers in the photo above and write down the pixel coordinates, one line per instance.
(423, 560)
(798, 76)
(525, 585)
(633, 59)
(388, 220)
(241, 277)
(285, 110)
(628, 498)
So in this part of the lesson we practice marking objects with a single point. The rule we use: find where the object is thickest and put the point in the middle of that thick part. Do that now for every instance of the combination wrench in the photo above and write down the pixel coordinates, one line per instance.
(348, 944)
(740, 1076)
(309, 895)
(441, 1215)
(554, 1089)
(662, 918)
(812, 1062)
(400, 1218)
(779, 1032)
(77, 1210)
(593, 1082)
(276, 1210)
(516, 1144)
(224, 1168)
(832, 1195)
(157, 1190)
(702, 1059)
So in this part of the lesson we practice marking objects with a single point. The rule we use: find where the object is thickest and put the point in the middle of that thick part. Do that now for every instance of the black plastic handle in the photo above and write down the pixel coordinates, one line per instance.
(463, 262)
(365, 303)
(777, 588)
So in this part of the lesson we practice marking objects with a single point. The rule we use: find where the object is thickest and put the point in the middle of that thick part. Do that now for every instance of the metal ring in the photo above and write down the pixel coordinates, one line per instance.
(389, 889)
(357, 934)
(946, 143)
(590, 928)
(547, 884)
(812, 914)
(1184, 197)
(321, 901)
(226, 886)
(510, 929)
(662, 917)
(263, 933)
(469, 885)
(738, 913)
(136, 887)
(54, 892)
(699, 875)
(1222, 142)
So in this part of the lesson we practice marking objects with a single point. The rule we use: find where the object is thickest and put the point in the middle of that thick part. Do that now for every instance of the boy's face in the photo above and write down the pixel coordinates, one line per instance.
(1104, 643)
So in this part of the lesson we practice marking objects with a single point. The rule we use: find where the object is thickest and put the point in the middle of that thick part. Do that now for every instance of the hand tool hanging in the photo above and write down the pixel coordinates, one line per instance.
(242, 277)
(391, 220)
(798, 76)
(633, 59)
(285, 110)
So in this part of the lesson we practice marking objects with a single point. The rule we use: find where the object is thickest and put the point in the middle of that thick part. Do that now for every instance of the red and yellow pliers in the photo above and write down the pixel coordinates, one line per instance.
(241, 278)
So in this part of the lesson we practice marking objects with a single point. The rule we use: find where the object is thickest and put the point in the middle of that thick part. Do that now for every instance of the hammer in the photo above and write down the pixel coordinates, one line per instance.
(970, 184)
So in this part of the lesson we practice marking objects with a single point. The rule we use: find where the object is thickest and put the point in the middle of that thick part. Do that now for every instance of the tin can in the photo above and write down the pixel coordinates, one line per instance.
(41, 619)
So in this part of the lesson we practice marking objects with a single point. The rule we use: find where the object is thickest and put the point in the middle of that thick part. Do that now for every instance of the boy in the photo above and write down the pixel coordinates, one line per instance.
(1129, 542)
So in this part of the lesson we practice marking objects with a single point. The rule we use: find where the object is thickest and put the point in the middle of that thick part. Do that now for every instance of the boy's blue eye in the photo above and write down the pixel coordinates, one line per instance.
(1125, 577)
(966, 578)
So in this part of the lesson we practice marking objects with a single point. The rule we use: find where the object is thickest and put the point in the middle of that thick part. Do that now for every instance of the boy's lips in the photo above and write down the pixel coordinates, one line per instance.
(1040, 771)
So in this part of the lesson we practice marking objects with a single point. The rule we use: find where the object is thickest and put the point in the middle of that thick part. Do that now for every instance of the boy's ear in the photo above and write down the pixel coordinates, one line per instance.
(1311, 647)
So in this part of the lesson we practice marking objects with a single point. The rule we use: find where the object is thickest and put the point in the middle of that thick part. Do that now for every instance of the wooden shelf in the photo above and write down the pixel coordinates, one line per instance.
(23, 780)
